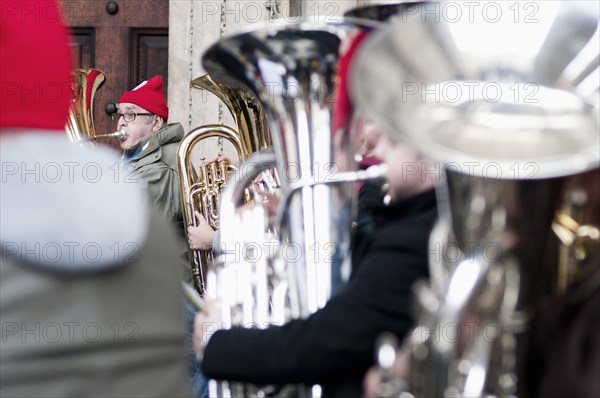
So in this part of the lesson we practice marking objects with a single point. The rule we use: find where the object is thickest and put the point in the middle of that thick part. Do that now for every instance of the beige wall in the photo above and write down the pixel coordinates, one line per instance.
(196, 24)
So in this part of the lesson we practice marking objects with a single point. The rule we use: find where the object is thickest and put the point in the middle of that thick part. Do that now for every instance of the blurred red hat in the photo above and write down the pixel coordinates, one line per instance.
(148, 95)
(343, 107)
(35, 65)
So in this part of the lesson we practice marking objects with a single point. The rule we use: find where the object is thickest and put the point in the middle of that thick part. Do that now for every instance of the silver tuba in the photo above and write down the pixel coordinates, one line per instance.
(384, 11)
(510, 110)
(293, 69)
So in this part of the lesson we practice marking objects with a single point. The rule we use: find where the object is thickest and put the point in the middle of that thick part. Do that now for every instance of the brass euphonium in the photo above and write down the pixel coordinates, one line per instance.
(80, 124)
(505, 155)
(262, 279)
(201, 188)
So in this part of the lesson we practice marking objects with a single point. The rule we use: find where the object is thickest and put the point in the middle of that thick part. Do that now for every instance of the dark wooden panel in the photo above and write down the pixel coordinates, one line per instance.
(149, 55)
(111, 45)
(83, 42)
(146, 13)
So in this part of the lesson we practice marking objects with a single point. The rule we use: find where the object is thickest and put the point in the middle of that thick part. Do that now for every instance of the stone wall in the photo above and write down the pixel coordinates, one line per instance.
(196, 24)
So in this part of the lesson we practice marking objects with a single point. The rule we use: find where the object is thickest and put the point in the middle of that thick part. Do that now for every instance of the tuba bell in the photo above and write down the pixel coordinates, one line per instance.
(505, 159)
(80, 123)
(201, 188)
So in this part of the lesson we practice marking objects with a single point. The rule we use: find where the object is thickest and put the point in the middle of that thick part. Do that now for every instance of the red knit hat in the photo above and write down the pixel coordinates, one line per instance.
(35, 66)
(148, 95)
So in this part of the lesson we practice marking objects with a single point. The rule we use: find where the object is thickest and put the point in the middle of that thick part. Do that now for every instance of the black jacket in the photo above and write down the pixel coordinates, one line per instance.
(335, 346)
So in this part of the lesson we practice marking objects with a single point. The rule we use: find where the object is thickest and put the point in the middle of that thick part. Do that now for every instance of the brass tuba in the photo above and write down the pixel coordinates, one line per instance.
(505, 157)
(201, 188)
(80, 123)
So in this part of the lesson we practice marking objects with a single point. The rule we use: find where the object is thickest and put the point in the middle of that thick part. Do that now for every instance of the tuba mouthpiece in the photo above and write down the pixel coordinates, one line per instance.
(120, 135)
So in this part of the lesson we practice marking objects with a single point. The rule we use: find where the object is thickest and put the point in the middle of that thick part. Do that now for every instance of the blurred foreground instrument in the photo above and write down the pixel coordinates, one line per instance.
(510, 109)
(261, 279)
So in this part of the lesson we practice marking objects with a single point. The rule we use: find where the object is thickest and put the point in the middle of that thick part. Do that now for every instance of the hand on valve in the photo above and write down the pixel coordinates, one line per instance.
(201, 236)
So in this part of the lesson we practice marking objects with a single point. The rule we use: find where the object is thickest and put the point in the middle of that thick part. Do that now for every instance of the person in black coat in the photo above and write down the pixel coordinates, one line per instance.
(334, 347)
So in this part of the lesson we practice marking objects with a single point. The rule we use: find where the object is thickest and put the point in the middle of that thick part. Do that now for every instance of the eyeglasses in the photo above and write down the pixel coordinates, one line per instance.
(128, 116)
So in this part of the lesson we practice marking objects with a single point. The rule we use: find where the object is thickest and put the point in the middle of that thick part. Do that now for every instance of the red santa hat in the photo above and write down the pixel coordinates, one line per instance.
(35, 66)
(148, 95)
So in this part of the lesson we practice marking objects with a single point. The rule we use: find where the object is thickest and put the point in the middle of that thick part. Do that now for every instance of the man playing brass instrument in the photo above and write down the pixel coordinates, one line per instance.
(150, 148)
(150, 145)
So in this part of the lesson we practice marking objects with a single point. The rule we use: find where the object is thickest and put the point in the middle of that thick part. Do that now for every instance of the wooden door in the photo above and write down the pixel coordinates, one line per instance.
(125, 39)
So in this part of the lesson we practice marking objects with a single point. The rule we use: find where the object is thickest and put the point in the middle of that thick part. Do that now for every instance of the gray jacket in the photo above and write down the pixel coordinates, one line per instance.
(154, 163)
(89, 304)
